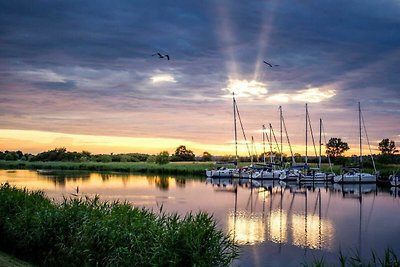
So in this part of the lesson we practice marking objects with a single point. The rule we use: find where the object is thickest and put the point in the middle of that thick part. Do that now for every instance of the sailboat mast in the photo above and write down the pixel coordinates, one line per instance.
(306, 132)
(234, 126)
(359, 122)
(281, 121)
(263, 138)
(320, 143)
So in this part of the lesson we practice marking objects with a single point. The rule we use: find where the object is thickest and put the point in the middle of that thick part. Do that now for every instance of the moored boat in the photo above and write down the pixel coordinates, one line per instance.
(394, 180)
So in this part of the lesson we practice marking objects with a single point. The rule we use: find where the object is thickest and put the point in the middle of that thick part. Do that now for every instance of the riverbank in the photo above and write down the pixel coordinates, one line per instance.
(174, 168)
(194, 168)
(89, 232)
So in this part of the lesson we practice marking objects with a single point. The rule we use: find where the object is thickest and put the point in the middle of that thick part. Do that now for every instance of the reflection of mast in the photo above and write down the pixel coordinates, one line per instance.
(235, 214)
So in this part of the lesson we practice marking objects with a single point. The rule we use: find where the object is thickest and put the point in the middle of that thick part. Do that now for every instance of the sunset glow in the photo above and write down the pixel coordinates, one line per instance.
(109, 93)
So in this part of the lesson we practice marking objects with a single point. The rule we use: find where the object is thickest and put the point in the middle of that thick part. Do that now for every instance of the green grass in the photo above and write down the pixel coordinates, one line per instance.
(88, 232)
(196, 168)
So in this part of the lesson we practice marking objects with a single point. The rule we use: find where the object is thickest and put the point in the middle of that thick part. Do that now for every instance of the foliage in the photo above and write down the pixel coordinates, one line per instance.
(183, 154)
(192, 168)
(206, 156)
(336, 147)
(88, 232)
(387, 147)
(162, 157)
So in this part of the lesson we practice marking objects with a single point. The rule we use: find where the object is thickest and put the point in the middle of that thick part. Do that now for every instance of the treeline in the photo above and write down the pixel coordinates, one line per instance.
(61, 154)
(184, 154)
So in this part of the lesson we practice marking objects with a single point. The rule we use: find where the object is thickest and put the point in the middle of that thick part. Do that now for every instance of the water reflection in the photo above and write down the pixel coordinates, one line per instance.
(279, 221)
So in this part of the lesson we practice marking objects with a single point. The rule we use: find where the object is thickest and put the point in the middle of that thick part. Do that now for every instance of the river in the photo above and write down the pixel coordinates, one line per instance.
(275, 224)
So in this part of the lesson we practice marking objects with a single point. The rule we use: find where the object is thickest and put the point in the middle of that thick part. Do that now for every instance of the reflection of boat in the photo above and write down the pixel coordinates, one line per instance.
(395, 191)
(355, 189)
(394, 180)
(41, 171)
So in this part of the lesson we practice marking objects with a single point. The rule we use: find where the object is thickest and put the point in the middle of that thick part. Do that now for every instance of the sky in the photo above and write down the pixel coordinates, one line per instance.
(82, 75)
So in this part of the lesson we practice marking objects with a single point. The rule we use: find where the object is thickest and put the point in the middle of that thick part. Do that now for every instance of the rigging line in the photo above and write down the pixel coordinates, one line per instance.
(241, 125)
(276, 141)
(369, 145)
(312, 134)
(269, 142)
(287, 136)
(329, 159)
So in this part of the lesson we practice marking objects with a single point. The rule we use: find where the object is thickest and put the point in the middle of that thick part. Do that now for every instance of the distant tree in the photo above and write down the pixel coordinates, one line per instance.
(11, 156)
(387, 147)
(336, 147)
(206, 156)
(162, 157)
(151, 159)
(183, 154)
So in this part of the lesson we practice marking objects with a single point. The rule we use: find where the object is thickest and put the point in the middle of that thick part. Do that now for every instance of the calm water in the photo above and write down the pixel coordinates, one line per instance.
(277, 225)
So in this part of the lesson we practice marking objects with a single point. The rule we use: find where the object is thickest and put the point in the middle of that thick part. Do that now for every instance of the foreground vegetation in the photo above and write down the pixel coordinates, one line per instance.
(389, 259)
(193, 168)
(87, 232)
(7, 260)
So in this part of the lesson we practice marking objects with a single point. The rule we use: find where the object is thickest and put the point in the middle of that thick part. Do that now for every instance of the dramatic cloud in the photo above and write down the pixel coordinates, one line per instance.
(86, 67)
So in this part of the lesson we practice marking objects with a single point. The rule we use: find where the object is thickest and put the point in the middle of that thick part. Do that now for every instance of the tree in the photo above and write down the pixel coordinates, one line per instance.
(206, 156)
(336, 147)
(387, 147)
(162, 157)
(183, 154)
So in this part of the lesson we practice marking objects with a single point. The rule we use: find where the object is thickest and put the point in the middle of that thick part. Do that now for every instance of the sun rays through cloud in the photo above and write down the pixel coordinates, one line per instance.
(245, 88)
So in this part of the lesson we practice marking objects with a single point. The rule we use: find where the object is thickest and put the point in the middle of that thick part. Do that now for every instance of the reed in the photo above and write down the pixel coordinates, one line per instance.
(389, 259)
(193, 168)
(89, 232)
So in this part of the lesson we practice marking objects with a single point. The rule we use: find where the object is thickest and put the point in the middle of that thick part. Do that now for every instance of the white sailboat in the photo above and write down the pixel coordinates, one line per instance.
(314, 175)
(394, 179)
(224, 172)
(355, 174)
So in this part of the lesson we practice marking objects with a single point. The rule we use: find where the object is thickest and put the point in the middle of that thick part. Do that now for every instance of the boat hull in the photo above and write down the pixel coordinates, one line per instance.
(355, 178)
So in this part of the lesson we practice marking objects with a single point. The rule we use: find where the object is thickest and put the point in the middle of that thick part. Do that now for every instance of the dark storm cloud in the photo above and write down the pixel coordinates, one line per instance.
(100, 52)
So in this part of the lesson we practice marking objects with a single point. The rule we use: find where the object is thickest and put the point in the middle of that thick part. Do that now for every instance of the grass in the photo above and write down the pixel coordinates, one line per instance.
(195, 168)
(88, 232)
(389, 259)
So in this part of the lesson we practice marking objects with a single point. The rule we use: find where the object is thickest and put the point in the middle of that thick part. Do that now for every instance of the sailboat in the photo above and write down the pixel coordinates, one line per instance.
(394, 179)
(269, 171)
(355, 174)
(246, 172)
(224, 172)
(314, 174)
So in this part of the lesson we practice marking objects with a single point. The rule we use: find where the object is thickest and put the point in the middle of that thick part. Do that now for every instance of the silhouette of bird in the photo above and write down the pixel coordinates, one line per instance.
(161, 55)
(269, 64)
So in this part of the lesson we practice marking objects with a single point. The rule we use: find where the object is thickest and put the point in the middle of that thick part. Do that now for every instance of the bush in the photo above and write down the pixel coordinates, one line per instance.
(87, 232)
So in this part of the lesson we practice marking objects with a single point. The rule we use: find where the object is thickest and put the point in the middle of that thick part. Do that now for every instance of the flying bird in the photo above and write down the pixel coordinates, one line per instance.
(269, 64)
(161, 55)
